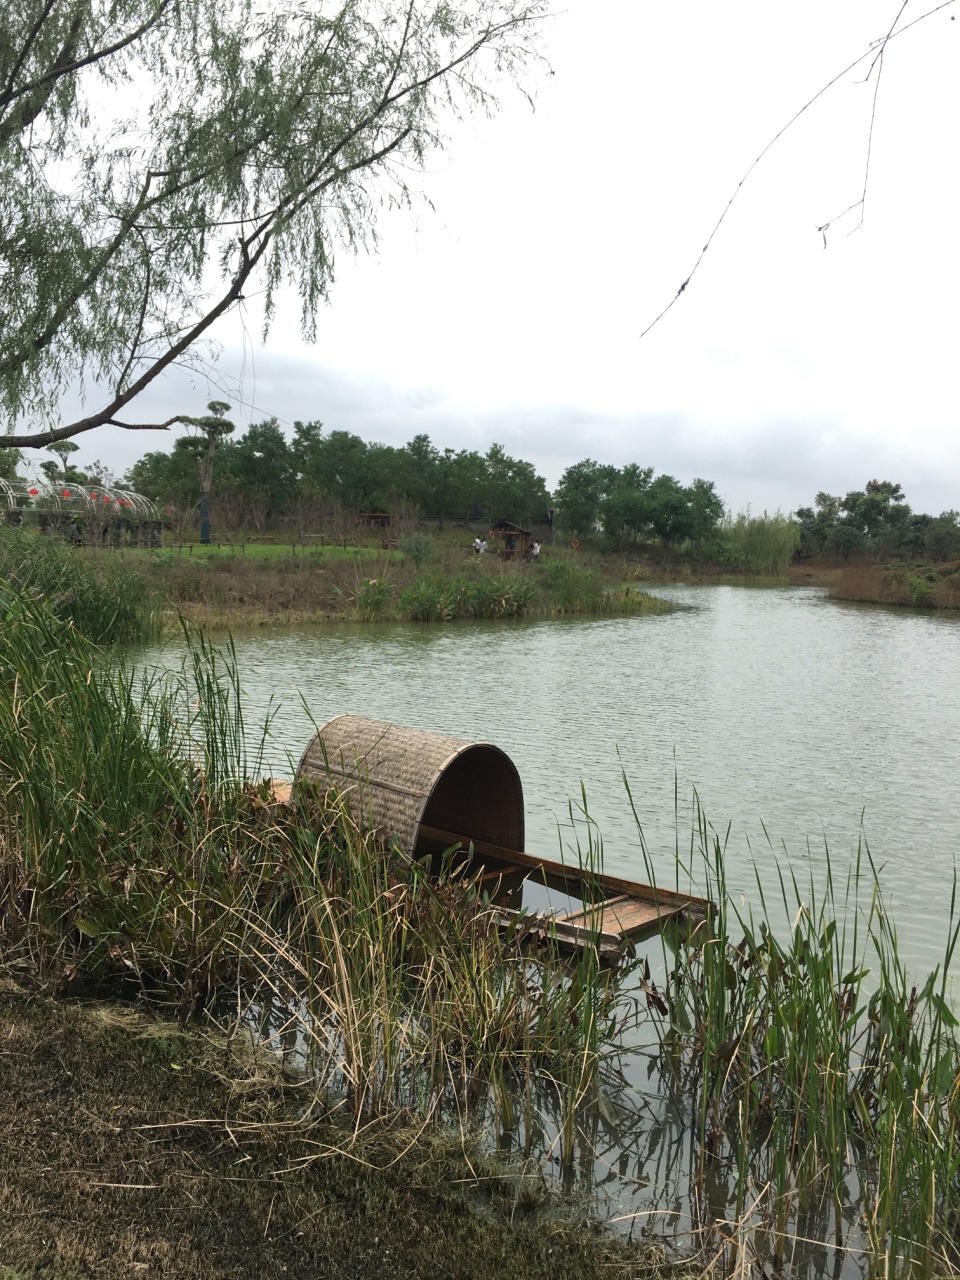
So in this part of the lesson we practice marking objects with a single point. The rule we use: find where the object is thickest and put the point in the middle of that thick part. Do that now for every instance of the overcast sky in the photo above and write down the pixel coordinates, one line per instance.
(512, 311)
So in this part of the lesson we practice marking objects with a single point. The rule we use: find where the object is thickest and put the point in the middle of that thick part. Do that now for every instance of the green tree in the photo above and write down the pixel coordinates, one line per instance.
(843, 538)
(306, 451)
(581, 493)
(160, 160)
(169, 479)
(670, 515)
(261, 465)
(419, 474)
(626, 507)
(942, 536)
(10, 459)
(512, 490)
(63, 473)
(202, 447)
(63, 450)
(343, 470)
(706, 513)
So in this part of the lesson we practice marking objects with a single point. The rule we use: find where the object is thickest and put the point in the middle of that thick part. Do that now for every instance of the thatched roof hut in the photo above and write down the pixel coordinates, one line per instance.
(396, 780)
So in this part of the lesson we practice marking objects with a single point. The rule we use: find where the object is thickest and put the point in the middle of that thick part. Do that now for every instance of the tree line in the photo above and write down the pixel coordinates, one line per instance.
(878, 521)
(266, 481)
(263, 478)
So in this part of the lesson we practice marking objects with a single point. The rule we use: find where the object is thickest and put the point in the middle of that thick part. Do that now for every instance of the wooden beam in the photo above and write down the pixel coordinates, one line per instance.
(578, 882)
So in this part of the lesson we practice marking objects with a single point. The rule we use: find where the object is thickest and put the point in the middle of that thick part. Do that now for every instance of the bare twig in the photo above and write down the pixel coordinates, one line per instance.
(877, 55)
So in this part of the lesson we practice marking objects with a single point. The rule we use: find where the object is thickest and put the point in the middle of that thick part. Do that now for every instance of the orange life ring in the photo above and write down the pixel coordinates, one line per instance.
(491, 534)
(575, 543)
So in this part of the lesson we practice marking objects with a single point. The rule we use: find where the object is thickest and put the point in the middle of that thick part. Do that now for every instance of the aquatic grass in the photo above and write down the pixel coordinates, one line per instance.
(139, 849)
(471, 593)
(127, 821)
(373, 599)
(232, 590)
(811, 1069)
(408, 990)
(571, 587)
(762, 545)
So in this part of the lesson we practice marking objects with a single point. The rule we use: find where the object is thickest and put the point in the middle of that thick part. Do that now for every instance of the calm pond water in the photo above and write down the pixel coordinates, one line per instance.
(793, 718)
(800, 723)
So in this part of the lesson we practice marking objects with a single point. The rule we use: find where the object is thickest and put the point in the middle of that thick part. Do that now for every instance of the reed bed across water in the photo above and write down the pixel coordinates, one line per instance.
(821, 1084)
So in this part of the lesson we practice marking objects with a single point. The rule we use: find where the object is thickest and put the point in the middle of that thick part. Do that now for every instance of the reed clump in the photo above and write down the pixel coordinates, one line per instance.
(476, 590)
(401, 989)
(821, 1085)
(758, 545)
(138, 853)
(101, 595)
(129, 839)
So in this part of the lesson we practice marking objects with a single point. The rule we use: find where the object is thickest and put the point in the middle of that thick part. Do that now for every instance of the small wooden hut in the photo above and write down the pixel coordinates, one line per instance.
(511, 541)
(396, 780)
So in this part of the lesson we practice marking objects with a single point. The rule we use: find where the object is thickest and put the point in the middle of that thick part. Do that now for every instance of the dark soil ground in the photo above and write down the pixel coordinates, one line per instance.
(129, 1149)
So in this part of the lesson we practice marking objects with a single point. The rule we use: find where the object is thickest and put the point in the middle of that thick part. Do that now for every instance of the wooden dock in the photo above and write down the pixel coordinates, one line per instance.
(613, 913)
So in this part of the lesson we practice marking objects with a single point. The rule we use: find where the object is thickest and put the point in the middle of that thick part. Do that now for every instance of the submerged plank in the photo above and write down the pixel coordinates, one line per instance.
(628, 917)
(612, 948)
(578, 882)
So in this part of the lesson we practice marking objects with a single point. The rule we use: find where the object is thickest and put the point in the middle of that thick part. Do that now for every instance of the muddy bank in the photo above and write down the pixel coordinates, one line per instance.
(128, 1148)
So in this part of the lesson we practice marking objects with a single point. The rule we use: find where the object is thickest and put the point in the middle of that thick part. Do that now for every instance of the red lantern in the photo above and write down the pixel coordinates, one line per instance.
(93, 494)
(33, 492)
(66, 493)
(106, 497)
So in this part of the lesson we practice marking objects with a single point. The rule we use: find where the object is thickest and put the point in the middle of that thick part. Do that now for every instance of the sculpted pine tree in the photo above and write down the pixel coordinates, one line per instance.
(63, 450)
(158, 158)
(202, 447)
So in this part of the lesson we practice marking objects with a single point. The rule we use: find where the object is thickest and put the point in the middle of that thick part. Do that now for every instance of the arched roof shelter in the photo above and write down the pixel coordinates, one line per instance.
(396, 780)
(76, 499)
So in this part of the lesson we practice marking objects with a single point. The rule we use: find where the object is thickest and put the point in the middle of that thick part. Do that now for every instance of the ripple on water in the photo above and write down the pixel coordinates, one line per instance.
(791, 716)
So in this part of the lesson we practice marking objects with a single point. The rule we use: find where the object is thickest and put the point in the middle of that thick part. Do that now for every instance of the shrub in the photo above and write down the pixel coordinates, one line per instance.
(417, 547)
(97, 592)
(372, 599)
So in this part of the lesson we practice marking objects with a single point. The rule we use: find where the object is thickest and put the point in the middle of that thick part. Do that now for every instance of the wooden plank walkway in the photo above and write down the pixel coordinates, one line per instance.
(615, 912)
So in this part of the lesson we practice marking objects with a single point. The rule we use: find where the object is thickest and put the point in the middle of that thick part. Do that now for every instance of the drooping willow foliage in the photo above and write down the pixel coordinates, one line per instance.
(157, 159)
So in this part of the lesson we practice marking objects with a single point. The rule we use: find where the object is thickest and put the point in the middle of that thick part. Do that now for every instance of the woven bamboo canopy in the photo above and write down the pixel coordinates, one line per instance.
(395, 780)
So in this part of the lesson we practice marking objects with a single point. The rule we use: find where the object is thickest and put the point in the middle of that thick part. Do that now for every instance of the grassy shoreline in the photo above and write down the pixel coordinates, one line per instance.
(128, 1147)
(427, 580)
(140, 854)
(924, 585)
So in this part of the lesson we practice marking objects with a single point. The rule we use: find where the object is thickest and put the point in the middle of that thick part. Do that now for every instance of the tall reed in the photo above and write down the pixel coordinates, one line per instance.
(759, 544)
(812, 1068)
(128, 831)
(96, 591)
(406, 990)
(138, 847)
